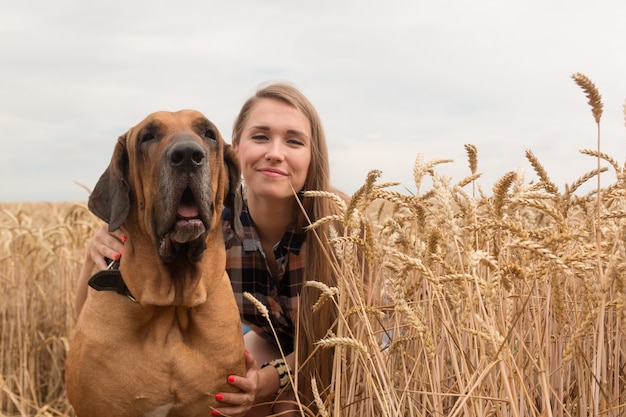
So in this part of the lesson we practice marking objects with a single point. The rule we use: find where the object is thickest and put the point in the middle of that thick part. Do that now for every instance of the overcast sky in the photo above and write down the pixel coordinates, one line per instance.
(390, 79)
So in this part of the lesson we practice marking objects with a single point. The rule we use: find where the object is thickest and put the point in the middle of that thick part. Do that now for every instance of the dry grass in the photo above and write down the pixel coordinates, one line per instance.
(463, 303)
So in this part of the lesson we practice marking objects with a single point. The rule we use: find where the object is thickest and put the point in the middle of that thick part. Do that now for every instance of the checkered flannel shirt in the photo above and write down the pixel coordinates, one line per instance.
(249, 272)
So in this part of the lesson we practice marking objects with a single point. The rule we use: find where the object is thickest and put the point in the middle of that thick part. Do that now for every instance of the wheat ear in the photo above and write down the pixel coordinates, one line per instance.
(595, 99)
(472, 157)
(541, 172)
(318, 400)
(330, 342)
(500, 191)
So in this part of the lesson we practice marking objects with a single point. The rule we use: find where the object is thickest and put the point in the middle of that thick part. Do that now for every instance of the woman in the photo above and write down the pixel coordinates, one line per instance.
(280, 142)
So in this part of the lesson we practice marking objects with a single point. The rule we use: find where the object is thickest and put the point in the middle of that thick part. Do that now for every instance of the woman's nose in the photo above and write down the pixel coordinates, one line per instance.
(275, 151)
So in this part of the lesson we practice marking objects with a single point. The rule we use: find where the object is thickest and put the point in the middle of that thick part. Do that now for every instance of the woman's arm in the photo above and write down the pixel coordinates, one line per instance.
(102, 245)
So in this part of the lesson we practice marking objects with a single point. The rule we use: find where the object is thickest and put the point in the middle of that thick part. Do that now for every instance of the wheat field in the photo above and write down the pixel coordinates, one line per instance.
(42, 246)
(454, 300)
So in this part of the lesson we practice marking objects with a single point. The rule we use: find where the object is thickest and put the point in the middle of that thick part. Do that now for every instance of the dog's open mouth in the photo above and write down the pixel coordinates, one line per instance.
(187, 208)
(189, 226)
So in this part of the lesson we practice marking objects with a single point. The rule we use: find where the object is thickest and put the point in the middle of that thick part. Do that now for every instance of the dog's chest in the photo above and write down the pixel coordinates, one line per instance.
(133, 361)
(169, 364)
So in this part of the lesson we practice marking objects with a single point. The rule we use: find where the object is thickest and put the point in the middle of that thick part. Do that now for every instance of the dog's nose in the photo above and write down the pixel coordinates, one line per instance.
(186, 155)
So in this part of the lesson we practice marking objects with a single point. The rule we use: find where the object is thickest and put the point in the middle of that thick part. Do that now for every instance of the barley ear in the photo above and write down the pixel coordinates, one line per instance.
(595, 99)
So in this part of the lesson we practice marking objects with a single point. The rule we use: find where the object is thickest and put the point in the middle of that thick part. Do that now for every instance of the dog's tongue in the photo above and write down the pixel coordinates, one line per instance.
(188, 225)
(187, 210)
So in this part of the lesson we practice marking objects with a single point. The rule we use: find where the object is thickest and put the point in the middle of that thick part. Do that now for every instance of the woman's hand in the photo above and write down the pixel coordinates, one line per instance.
(102, 245)
(105, 244)
(237, 404)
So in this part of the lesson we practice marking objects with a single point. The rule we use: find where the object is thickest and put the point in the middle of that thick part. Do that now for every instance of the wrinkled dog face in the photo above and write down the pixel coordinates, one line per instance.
(181, 157)
(173, 170)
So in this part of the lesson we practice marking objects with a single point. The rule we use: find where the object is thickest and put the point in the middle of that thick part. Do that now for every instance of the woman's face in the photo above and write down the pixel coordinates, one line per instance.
(274, 150)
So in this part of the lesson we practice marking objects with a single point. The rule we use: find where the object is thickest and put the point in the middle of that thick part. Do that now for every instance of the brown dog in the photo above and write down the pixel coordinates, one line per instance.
(169, 347)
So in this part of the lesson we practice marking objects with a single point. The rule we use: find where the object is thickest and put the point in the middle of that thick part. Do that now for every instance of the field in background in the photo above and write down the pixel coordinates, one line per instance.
(463, 302)
(41, 250)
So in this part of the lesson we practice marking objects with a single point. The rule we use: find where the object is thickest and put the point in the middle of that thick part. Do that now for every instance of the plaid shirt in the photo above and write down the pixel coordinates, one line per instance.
(249, 272)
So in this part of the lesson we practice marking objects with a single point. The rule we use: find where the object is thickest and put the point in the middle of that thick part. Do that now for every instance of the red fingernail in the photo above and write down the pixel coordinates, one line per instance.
(124, 238)
(116, 256)
(231, 379)
(219, 397)
(215, 413)
(247, 352)
(121, 252)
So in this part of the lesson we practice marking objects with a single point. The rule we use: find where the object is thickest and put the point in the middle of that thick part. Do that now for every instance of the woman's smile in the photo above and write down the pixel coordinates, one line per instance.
(273, 172)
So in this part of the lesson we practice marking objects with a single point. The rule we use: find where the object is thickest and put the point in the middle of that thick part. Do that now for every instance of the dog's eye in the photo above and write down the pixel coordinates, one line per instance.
(147, 136)
(210, 134)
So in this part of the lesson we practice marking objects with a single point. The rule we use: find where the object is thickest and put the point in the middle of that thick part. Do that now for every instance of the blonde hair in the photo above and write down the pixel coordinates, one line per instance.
(317, 264)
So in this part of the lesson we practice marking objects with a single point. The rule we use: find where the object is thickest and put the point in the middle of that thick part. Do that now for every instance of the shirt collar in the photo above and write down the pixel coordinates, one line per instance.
(290, 242)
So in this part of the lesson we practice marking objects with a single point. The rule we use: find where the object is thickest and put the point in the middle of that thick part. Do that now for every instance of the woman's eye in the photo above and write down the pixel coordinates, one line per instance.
(259, 137)
(296, 142)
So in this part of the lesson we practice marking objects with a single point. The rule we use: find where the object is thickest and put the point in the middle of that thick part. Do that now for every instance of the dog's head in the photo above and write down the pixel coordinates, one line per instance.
(169, 177)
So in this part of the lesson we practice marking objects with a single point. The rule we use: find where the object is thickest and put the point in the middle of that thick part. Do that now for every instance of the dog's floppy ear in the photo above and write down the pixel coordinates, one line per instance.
(232, 198)
(110, 199)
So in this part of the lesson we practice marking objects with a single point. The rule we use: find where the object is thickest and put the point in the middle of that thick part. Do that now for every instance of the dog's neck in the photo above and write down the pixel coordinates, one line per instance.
(178, 282)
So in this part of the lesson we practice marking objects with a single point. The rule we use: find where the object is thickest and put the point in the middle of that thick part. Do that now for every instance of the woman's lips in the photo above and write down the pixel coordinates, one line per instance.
(272, 172)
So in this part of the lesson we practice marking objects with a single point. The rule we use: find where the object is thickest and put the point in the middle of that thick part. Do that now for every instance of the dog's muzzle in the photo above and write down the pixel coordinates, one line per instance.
(185, 188)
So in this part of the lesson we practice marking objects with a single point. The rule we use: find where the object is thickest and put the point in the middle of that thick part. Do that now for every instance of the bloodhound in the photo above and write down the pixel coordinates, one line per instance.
(166, 337)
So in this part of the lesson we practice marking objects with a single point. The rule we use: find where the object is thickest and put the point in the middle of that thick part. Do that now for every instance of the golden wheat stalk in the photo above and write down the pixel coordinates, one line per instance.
(363, 194)
(362, 310)
(595, 99)
(420, 169)
(334, 341)
(327, 219)
(541, 173)
(583, 179)
(327, 293)
(542, 251)
(468, 179)
(259, 305)
(500, 190)
(266, 315)
(472, 157)
(602, 155)
(327, 194)
(318, 400)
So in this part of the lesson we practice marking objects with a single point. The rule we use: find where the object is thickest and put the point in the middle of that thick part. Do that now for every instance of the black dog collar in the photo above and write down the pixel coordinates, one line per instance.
(110, 280)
